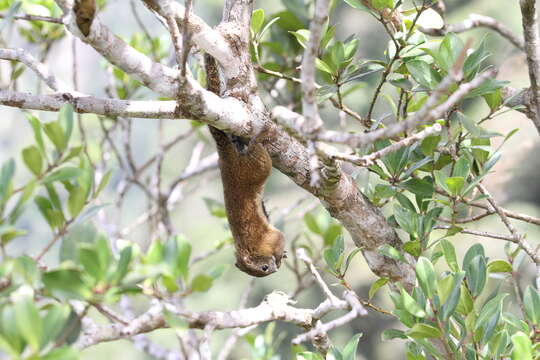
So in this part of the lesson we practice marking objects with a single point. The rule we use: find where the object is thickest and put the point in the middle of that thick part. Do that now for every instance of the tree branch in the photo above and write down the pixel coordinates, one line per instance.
(203, 35)
(40, 69)
(475, 21)
(532, 49)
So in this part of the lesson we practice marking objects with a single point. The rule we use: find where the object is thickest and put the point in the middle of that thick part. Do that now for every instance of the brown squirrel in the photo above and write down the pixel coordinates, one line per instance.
(245, 165)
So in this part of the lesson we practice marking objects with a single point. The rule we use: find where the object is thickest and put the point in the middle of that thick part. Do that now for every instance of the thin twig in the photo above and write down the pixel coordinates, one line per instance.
(35, 18)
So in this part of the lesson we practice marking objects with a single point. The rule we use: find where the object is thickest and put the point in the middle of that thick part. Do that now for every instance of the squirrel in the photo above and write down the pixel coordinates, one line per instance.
(245, 165)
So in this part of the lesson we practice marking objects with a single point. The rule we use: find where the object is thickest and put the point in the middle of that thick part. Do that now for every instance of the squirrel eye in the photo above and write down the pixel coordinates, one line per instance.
(264, 268)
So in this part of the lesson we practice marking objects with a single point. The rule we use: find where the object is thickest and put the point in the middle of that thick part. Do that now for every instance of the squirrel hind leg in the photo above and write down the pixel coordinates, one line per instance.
(241, 144)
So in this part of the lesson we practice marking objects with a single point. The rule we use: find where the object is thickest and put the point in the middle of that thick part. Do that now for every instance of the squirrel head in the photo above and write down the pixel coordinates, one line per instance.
(266, 258)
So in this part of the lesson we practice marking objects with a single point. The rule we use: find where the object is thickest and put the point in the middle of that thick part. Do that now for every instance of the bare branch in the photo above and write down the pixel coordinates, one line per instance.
(313, 122)
(532, 49)
(481, 233)
(29, 17)
(203, 35)
(156, 76)
(40, 69)
(369, 159)
(475, 21)
(302, 255)
(275, 306)
(430, 112)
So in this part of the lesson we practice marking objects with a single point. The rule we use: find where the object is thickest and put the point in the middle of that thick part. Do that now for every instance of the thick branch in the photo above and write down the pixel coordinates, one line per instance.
(224, 113)
(158, 77)
(202, 34)
(275, 306)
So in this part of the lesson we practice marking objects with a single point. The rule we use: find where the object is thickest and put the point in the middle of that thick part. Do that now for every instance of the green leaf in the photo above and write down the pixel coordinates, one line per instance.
(490, 310)
(425, 273)
(440, 179)
(8, 233)
(302, 36)
(29, 322)
(383, 4)
(466, 304)
(103, 183)
(476, 249)
(36, 128)
(351, 255)
(332, 232)
(407, 219)
(413, 247)
(312, 224)
(267, 26)
(411, 305)
(323, 66)
(154, 254)
(257, 20)
(419, 187)
(531, 301)
(67, 283)
(391, 252)
(328, 36)
(453, 231)
(349, 351)
(89, 259)
(357, 5)
(390, 334)
(376, 286)
(73, 153)
(462, 168)
(54, 322)
(453, 299)
(306, 355)
(6, 176)
(55, 133)
(429, 144)
(494, 100)
(487, 87)
(123, 265)
(26, 268)
(46, 209)
(215, 208)
(201, 283)
(64, 174)
(455, 185)
(76, 201)
(449, 50)
(522, 347)
(499, 266)
(27, 192)
(177, 254)
(9, 347)
(65, 118)
(63, 353)
(78, 234)
(32, 159)
(475, 59)
(422, 72)
(423, 331)
(477, 274)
